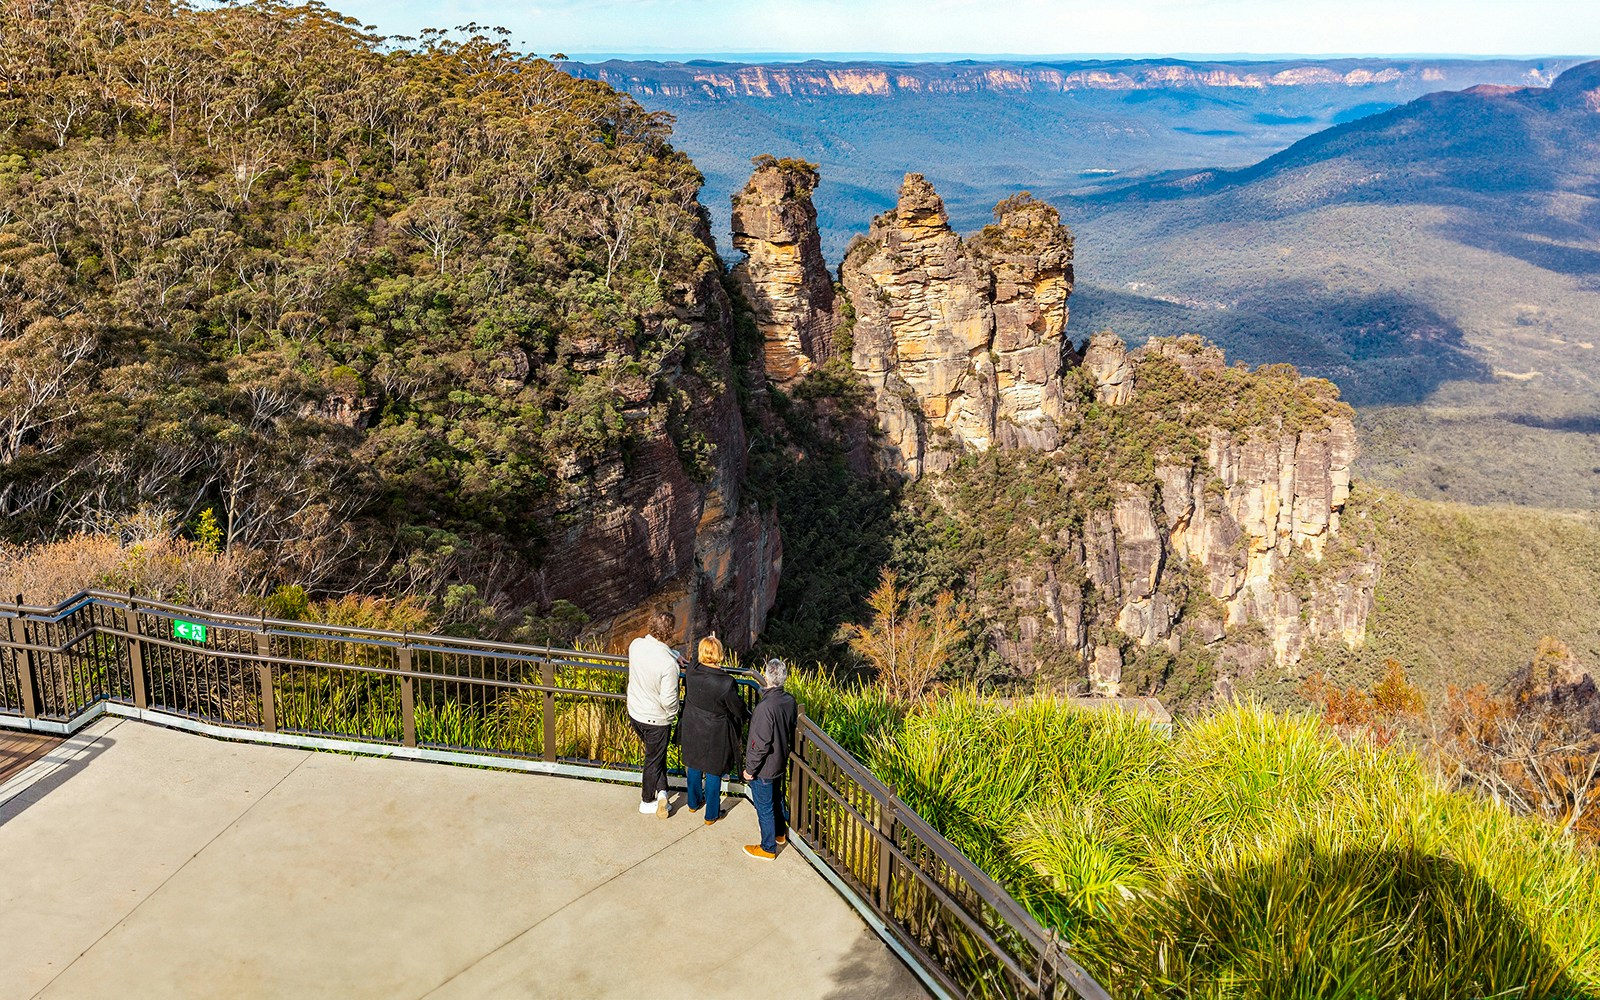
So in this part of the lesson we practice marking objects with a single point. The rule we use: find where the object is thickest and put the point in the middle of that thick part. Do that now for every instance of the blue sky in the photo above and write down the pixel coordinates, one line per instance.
(711, 27)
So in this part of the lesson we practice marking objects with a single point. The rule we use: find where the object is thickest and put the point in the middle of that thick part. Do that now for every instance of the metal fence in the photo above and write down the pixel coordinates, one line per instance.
(288, 681)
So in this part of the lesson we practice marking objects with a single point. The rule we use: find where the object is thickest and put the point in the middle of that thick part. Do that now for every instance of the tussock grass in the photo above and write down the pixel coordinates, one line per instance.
(1252, 855)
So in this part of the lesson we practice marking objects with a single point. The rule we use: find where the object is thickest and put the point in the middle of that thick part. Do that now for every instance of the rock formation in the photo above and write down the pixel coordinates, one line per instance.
(960, 343)
(1203, 507)
(1106, 360)
(784, 277)
(1236, 521)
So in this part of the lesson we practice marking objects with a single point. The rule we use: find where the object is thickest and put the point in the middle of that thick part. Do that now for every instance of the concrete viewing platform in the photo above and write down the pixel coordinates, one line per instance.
(137, 861)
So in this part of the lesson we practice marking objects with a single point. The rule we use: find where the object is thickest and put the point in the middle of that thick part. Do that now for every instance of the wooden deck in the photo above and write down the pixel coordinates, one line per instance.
(18, 750)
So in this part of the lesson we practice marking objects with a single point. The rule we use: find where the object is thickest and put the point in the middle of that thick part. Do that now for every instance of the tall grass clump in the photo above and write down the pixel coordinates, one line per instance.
(1254, 854)
(855, 715)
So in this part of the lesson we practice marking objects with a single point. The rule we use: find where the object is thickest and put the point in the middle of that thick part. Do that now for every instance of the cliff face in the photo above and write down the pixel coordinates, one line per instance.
(729, 80)
(960, 343)
(1229, 545)
(652, 530)
(784, 277)
(1131, 502)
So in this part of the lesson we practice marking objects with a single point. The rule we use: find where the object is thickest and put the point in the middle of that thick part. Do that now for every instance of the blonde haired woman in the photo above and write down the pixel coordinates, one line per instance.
(713, 715)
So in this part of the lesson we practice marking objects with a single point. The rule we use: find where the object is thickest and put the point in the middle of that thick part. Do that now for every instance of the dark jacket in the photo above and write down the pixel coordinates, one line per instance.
(771, 734)
(713, 716)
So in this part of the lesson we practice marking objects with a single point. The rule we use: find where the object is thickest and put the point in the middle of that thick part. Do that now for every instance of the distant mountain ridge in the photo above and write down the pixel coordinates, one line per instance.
(1464, 133)
(815, 78)
(1440, 261)
(981, 130)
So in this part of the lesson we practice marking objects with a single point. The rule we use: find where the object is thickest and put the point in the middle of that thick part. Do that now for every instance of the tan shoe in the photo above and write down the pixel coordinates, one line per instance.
(755, 851)
(663, 807)
(781, 840)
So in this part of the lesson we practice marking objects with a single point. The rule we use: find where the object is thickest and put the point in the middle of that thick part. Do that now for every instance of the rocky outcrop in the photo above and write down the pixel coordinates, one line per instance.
(784, 277)
(1105, 358)
(1199, 506)
(960, 343)
(1227, 543)
(1251, 519)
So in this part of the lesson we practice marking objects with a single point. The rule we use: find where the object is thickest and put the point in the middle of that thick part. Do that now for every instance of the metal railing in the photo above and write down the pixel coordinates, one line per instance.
(540, 708)
(955, 920)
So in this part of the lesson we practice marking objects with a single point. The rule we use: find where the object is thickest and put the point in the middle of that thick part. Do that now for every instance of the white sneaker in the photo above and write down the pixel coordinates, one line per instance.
(663, 810)
(649, 808)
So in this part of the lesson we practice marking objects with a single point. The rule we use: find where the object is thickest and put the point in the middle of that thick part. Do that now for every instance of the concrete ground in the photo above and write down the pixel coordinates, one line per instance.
(137, 861)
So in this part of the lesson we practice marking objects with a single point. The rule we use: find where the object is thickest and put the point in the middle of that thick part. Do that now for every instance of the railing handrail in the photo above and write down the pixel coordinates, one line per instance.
(991, 891)
(1052, 964)
(70, 696)
(262, 623)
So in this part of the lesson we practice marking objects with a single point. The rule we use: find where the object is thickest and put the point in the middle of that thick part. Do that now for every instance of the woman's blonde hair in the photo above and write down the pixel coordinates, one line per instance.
(711, 651)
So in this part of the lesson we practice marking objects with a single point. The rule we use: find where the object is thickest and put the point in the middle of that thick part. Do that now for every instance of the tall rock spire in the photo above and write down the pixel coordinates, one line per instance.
(784, 276)
(960, 342)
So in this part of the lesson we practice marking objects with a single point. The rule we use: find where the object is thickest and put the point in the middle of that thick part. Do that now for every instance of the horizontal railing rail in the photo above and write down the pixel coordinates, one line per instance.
(941, 907)
(239, 675)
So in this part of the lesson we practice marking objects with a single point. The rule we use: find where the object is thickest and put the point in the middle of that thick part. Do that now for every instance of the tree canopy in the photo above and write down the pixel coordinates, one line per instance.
(367, 299)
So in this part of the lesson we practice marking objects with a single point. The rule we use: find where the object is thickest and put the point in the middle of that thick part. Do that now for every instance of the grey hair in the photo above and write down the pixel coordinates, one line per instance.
(776, 672)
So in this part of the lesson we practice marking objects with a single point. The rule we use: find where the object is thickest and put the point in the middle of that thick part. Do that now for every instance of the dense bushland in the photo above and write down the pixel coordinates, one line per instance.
(1252, 855)
(367, 316)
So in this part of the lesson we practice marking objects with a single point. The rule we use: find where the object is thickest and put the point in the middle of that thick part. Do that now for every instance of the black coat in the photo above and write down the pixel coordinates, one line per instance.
(771, 734)
(713, 715)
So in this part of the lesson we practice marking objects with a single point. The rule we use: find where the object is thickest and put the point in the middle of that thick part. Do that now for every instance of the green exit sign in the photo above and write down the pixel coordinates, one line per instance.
(189, 630)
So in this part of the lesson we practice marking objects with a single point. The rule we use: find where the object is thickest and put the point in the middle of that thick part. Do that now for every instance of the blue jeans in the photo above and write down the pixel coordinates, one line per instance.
(705, 789)
(772, 811)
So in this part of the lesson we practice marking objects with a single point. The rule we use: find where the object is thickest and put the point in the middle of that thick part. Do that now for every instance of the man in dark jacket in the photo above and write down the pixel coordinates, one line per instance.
(766, 760)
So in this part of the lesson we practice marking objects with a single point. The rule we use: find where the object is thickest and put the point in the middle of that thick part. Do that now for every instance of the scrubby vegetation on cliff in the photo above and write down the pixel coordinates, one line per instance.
(379, 305)
(1465, 591)
(1251, 855)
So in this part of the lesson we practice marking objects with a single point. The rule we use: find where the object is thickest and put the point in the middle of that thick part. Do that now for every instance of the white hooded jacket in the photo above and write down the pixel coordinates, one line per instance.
(652, 682)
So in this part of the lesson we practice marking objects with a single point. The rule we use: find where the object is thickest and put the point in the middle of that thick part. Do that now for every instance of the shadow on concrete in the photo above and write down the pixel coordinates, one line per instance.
(55, 778)
(859, 973)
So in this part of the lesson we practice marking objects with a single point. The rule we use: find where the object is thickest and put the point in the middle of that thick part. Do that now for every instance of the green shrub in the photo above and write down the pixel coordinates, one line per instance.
(1252, 855)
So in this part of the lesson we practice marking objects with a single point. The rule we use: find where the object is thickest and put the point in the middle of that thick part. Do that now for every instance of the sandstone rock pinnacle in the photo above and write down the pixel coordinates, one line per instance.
(784, 276)
(960, 343)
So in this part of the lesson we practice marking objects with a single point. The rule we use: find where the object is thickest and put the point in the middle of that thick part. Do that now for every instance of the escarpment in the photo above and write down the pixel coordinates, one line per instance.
(1109, 512)
(667, 524)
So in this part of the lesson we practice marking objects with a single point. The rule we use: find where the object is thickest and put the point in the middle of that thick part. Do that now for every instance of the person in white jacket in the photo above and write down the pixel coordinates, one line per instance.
(653, 706)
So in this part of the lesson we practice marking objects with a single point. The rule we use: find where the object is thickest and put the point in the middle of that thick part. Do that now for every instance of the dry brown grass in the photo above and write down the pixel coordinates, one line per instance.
(150, 562)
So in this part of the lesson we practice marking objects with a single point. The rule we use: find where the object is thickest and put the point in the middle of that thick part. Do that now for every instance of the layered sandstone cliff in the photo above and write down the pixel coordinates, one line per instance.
(960, 342)
(1226, 538)
(653, 529)
(722, 81)
(784, 277)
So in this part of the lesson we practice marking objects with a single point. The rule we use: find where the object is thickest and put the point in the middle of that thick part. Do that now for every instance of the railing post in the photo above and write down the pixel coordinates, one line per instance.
(269, 708)
(1049, 968)
(141, 685)
(24, 661)
(886, 825)
(549, 678)
(795, 779)
(408, 699)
